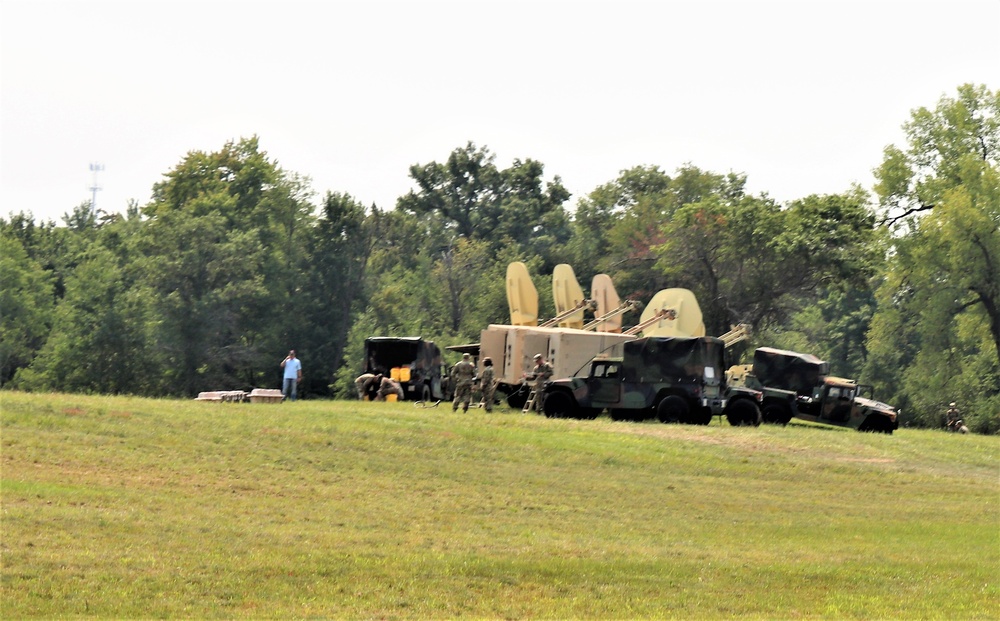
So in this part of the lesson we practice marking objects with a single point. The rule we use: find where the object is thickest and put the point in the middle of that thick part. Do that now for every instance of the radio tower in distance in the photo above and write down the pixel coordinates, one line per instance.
(94, 169)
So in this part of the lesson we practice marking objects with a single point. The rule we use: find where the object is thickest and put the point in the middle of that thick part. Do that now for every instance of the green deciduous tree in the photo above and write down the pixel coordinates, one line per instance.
(469, 196)
(334, 288)
(219, 251)
(26, 305)
(748, 260)
(941, 292)
(99, 341)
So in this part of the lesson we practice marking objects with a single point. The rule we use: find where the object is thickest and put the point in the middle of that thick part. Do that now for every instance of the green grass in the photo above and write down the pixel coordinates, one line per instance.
(139, 508)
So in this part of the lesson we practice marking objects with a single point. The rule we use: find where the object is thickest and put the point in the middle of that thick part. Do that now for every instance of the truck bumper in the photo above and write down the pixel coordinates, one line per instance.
(716, 405)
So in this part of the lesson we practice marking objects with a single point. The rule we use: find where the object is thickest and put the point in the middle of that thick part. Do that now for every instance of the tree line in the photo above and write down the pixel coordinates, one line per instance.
(233, 262)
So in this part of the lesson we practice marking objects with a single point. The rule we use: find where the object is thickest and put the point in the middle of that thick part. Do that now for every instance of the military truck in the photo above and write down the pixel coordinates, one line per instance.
(800, 386)
(674, 379)
(568, 350)
(415, 363)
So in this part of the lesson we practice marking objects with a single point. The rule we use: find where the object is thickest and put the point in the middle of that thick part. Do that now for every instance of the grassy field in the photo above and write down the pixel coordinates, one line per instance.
(118, 507)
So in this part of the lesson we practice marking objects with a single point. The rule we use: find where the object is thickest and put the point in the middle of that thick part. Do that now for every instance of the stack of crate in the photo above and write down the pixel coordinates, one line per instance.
(265, 395)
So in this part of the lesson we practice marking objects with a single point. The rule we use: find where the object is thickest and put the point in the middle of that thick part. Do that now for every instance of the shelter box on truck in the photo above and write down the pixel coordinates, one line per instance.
(568, 350)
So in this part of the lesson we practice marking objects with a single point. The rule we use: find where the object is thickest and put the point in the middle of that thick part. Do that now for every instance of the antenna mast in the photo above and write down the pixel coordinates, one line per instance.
(94, 168)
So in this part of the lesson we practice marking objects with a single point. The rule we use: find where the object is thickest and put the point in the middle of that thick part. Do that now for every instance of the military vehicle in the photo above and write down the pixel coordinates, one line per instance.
(799, 385)
(565, 341)
(674, 379)
(415, 363)
(568, 350)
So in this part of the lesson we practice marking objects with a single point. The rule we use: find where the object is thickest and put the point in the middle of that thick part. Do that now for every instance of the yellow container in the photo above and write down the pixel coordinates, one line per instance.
(394, 373)
(391, 397)
(404, 374)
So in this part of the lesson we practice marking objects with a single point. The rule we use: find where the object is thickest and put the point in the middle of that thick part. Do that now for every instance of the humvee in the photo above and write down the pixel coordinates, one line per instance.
(415, 363)
(799, 385)
(674, 379)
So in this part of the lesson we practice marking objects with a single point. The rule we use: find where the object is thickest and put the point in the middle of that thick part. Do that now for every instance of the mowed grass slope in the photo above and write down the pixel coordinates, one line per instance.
(128, 508)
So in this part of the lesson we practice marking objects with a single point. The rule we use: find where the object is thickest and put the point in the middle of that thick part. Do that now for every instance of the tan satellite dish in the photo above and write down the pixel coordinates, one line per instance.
(602, 291)
(567, 295)
(522, 297)
(688, 320)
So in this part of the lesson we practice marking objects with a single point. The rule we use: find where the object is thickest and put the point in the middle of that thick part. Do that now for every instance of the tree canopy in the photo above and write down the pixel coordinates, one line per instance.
(233, 262)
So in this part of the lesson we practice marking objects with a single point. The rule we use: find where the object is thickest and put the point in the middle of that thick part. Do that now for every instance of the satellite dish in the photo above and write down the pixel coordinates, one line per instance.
(567, 294)
(602, 291)
(522, 297)
(689, 321)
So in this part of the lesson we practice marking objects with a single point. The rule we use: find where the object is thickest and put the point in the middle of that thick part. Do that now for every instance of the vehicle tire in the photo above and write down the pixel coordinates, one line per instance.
(588, 413)
(743, 412)
(876, 424)
(704, 418)
(885, 426)
(775, 414)
(619, 415)
(673, 409)
(559, 405)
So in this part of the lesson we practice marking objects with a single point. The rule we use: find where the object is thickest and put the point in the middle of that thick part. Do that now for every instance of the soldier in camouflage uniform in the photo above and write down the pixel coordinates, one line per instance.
(364, 382)
(461, 377)
(540, 374)
(388, 386)
(487, 384)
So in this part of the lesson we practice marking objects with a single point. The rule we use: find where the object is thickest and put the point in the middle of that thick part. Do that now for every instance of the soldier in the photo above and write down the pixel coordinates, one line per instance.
(363, 384)
(953, 414)
(389, 386)
(487, 384)
(540, 373)
(461, 377)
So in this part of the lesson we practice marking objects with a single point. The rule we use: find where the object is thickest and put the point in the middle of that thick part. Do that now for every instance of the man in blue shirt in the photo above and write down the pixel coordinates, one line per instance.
(293, 375)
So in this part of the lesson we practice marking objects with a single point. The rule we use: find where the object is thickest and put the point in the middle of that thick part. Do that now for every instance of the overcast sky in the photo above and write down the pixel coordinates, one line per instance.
(802, 97)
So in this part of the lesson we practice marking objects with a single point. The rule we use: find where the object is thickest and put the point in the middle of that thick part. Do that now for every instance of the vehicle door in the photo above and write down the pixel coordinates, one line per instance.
(605, 384)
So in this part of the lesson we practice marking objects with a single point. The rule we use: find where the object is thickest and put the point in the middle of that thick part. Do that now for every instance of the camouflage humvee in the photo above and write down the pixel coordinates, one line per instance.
(675, 379)
(799, 385)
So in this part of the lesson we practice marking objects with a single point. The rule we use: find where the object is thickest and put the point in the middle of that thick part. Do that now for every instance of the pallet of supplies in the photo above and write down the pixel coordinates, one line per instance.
(228, 396)
(265, 395)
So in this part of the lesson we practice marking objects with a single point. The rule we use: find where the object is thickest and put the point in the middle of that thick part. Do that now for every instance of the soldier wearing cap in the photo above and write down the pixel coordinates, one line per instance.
(461, 377)
(541, 372)
(953, 414)
(487, 383)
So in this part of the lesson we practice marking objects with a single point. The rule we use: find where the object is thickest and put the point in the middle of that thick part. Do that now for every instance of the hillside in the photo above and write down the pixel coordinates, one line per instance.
(126, 507)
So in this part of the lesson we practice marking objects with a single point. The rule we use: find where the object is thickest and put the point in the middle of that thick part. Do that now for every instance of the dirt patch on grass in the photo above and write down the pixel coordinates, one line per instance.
(713, 435)
(74, 412)
(677, 432)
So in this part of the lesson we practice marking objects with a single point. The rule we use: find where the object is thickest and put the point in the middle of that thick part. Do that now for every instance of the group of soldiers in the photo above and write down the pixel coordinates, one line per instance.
(463, 377)
(376, 387)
